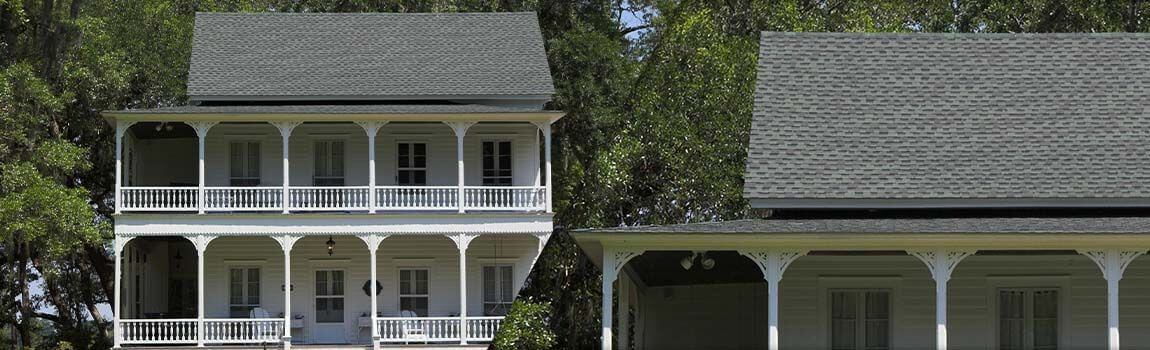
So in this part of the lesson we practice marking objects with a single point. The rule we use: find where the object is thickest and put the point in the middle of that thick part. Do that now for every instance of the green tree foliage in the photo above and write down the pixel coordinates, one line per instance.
(525, 327)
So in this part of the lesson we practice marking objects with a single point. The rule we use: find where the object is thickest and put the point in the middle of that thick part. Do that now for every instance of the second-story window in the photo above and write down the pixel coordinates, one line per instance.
(245, 163)
(497, 163)
(328, 163)
(411, 166)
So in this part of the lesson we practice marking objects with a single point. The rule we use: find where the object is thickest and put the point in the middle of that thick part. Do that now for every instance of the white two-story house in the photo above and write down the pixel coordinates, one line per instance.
(336, 179)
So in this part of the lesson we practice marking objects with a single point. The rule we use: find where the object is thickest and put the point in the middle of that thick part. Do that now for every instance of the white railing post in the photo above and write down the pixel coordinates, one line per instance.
(462, 241)
(371, 128)
(285, 128)
(545, 127)
(460, 129)
(613, 262)
(773, 263)
(941, 263)
(201, 243)
(121, 128)
(286, 243)
(1113, 263)
(202, 128)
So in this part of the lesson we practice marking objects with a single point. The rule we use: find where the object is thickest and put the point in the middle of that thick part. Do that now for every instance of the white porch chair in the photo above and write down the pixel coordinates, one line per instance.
(272, 333)
(413, 330)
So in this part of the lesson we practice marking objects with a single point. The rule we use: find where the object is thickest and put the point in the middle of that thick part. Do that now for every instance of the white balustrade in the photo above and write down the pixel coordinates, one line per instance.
(159, 331)
(243, 330)
(328, 198)
(158, 198)
(504, 198)
(243, 198)
(483, 328)
(417, 197)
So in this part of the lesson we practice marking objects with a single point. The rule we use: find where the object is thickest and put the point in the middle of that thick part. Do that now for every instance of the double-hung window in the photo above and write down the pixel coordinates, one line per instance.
(1028, 319)
(860, 319)
(244, 159)
(244, 291)
(497, 289)
(413, 296)
(329, 163)
(411, 167)
(496, 163)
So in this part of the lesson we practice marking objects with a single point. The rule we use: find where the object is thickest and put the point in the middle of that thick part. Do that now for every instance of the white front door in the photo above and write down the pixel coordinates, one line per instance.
(330, 319)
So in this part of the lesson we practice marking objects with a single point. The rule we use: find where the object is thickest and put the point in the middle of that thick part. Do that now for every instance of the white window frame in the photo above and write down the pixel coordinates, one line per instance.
(329, 169)
(411, 153)
(399, 287)
(344, 296)
(499, 282)
(245, 283)
(244, 163)
(511, 177)
(888, 283)
(1061, 282)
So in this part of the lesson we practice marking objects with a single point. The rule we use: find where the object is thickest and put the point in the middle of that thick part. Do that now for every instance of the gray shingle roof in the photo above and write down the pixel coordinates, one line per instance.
(924, 225)
(963, 116)
(332, 109)
(378, 55)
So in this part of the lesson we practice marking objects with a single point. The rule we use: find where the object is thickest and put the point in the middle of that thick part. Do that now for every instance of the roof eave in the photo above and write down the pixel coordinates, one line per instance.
(532, 116)
(541, 97)
(946, 203)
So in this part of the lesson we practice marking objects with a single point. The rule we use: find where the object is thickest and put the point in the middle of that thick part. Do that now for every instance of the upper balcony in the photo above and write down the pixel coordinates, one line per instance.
(333, 166)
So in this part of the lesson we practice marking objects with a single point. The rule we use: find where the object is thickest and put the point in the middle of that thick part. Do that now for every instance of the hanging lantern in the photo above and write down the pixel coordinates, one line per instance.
(330, 246)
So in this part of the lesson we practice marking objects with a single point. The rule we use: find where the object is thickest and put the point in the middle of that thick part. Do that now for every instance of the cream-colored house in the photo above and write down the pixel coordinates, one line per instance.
(914, 191)
(336, 179)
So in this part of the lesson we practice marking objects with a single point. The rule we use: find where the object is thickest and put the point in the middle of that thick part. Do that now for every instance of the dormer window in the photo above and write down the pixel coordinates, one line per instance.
(328, 163)
(244, 163)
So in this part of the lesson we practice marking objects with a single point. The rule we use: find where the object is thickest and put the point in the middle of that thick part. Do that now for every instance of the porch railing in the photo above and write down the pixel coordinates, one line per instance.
(334, 198)
(435, 329)
(243, 330)
(165, 331)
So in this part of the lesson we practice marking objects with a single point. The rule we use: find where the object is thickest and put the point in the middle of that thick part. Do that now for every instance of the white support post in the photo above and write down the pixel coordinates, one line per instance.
(460, 129)
(462, 241)
(941, 263)
(201, 243)
(285, 128)
(118, 244)
(286, 243)
(121, 128)
(371, 128)
(773, 263)
(202, 129)
(545, 127)
(1113, 263)
(613, 262)
(373, 241)
(542, 239)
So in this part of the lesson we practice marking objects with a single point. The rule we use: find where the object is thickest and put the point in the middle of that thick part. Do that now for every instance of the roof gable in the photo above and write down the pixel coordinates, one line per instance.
(376, 56)
(858, 117)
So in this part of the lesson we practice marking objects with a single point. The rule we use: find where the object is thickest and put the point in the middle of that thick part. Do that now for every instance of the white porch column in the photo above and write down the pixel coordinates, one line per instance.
(118, 244)
(542, 239)
(613, 261)
(201, 131)
(773, 262)
(545, 127)
(373, 241)
(460, 129)
(462, 241)
(941, 263)
(285, 128)
(121, 128)
(286, 243)
(1113, 263)
(201, 242)
(371, 128)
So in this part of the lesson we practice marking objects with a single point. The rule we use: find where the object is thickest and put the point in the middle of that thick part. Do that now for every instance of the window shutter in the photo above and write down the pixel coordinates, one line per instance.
(320, 158)
(236, 159)
(253, 159)
(337, 158)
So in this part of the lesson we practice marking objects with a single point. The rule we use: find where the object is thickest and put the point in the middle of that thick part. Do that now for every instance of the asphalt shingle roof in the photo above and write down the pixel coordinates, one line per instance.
(380, 55)
(969, 116)
(918, 225)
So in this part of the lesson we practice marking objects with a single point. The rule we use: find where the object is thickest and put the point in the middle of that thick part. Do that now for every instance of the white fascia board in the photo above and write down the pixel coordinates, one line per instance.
(294, 224)
(945, 203)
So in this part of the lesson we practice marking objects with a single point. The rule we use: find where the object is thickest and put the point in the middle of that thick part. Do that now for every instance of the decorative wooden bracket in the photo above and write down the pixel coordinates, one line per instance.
(941, 262)
(287, 241)
(373, 241)
(614, 260)
(1113, 262)
(773, 262)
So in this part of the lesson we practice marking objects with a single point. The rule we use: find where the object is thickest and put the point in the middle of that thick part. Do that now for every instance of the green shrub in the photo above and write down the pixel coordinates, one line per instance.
(525, 327)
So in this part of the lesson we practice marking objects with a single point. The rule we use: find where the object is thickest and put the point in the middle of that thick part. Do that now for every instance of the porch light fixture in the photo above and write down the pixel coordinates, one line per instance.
(330, 246)
(704, 260)
(688, 261)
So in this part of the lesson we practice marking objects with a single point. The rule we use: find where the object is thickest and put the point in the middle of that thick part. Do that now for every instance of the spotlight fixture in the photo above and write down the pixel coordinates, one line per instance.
(688, 261)
(330, 246)
(705, 261)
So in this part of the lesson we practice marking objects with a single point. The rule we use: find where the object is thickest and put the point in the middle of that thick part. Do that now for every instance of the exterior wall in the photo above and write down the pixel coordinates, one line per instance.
(437, 253)
(733, 316)
(166, 161)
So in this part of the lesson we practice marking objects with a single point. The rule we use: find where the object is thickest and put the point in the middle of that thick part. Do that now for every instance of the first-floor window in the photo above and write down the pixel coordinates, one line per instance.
(329, 296)
(413, 295)
(244, 291)
(1027, 319)
(860, 319)
(497, 293)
